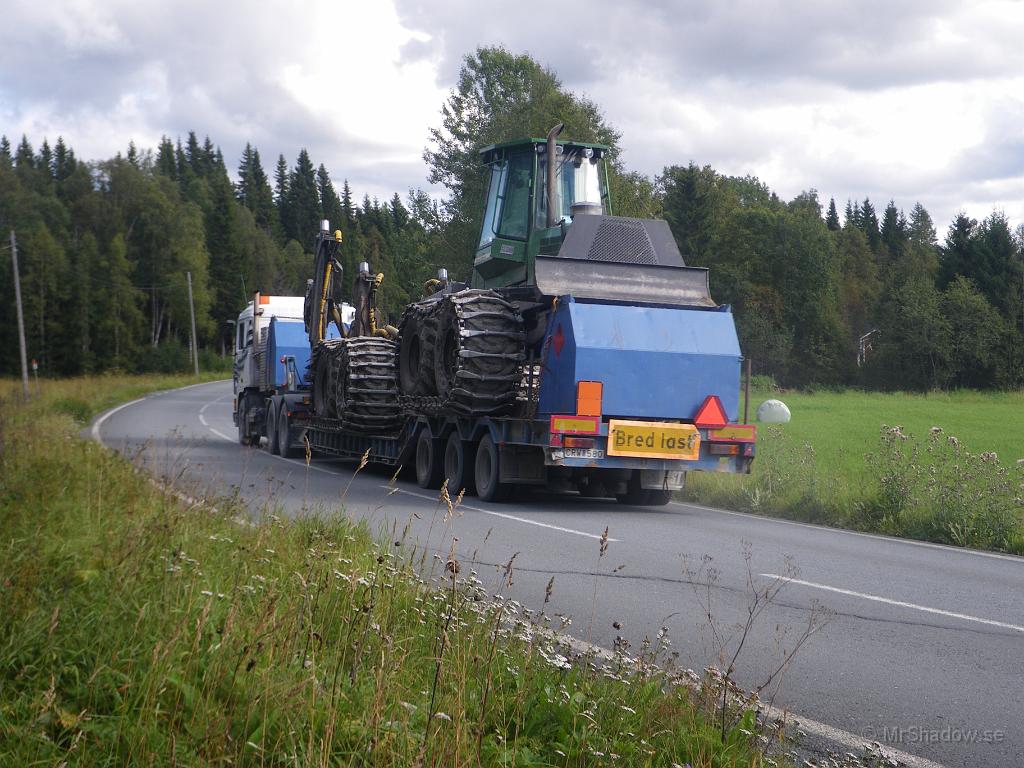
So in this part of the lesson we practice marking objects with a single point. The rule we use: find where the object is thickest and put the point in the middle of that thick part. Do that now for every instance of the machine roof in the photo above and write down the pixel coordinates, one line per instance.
(523, 141)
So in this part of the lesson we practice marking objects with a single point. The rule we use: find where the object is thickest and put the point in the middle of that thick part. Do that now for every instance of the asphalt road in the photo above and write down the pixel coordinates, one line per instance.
(924, 645)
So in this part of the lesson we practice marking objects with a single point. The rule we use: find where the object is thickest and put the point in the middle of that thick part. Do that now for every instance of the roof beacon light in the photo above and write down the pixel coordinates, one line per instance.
(711, 414)
(325, 225)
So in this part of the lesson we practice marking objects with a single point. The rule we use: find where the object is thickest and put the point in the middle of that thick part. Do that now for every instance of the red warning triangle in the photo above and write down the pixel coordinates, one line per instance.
(711, 414)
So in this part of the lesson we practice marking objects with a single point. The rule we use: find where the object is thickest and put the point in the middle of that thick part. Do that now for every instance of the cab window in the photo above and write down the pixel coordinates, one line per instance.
(507, 213)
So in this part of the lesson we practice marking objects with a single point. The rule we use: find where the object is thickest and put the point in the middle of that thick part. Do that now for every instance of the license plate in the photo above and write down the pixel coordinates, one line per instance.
(583, 453)
(653, 440)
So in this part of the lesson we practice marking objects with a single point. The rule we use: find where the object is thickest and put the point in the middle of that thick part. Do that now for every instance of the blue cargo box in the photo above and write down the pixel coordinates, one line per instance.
(286, 338)
(654, 362)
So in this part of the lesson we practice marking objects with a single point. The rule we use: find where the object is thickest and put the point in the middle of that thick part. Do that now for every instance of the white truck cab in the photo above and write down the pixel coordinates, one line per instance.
(249, 330)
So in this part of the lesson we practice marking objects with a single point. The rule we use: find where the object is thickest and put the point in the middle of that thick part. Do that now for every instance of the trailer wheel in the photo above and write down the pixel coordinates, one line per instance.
(459, 464)
(488, 472)
(658, 497)
(428, 461)
(272, 443)
(285, 438)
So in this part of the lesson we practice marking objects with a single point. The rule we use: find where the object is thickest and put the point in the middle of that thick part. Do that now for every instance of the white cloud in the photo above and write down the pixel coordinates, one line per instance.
(914, 101)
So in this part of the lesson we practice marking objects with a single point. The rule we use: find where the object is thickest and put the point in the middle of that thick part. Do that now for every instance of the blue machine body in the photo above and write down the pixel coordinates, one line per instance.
(654, 362)
(285, 338)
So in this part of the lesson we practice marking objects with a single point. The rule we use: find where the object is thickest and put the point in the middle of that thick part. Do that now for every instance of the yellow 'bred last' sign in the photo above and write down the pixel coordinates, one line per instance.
(653, 440)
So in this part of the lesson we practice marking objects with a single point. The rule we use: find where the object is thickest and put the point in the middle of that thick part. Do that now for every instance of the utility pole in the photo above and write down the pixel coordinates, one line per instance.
(192, 312)
(21, 316)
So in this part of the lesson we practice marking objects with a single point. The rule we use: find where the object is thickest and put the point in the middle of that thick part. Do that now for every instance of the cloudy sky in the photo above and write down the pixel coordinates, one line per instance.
(916, 101)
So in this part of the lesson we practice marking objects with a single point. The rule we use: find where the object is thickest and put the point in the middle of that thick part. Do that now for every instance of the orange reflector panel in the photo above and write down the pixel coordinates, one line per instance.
(264, 299)
(588, 398)
(734, 433)
(711, 414)
(576, 425)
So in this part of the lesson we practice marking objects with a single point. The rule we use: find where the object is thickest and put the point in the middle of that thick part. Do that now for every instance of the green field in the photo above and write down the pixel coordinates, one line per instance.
(834, 463)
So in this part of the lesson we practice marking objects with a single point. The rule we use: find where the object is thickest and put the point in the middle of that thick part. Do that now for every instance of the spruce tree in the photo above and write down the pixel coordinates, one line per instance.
(243, 186)
(281, 197)
(869, 225)
(347, 209)
(330, 203)
(832, 217)
(894, 232)
(165, 163)
(259, 198)
(303, 202)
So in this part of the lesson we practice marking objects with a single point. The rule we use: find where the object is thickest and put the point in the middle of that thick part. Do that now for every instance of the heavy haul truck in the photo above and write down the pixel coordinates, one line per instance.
(582, 355)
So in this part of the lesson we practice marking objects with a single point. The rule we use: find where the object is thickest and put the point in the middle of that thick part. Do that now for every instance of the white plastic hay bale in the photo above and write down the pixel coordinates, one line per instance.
(773, 412)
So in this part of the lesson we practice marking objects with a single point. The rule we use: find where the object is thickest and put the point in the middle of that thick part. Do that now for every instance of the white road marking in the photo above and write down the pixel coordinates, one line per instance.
(314, 467)
(899, 603)
(99, 422)
(891, 539)
(222, 435)
(502, 514)
(202, 419)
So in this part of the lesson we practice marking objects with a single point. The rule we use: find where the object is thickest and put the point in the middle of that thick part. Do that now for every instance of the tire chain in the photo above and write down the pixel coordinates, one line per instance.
(362, 383)
(487, 361)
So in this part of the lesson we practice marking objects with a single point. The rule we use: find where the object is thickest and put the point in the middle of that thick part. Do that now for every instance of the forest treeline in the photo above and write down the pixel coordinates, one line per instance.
(821, 297)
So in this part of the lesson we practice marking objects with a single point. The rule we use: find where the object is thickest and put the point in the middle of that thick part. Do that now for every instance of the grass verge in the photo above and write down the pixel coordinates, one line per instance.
(942, 467)
(137, 631)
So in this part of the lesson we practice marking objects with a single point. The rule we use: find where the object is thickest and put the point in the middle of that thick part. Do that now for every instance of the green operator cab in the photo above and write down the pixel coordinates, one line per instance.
(516, 223)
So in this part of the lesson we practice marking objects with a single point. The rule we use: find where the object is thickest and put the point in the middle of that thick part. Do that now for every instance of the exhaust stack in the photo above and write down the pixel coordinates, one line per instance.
(552, 168)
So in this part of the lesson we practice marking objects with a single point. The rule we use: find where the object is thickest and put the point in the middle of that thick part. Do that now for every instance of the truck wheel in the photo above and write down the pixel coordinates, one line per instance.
(244, 438)
(285, 438)
(272, 443)
(428, 461)
(488, 472)
(459, 465)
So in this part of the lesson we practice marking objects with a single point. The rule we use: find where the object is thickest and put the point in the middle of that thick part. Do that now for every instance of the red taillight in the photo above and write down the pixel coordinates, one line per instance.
(724, 449)
(578, 442)
(711, 414)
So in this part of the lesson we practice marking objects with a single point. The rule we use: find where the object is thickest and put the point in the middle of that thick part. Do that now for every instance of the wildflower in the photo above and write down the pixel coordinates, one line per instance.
(936, 430)
(953, 441)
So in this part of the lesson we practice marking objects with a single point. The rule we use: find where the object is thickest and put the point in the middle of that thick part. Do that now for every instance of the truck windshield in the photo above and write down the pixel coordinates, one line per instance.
(578, 180)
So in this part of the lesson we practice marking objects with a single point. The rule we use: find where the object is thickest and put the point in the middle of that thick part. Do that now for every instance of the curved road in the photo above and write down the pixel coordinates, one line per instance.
(922, 650)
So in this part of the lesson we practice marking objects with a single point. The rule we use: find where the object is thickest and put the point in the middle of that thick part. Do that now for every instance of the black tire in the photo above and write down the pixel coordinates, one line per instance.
(460, 465)
(658, 497)
(272, 444)
(428, 461)
(487, 472)
(244, 436)
(410, 357)
(285, 438)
